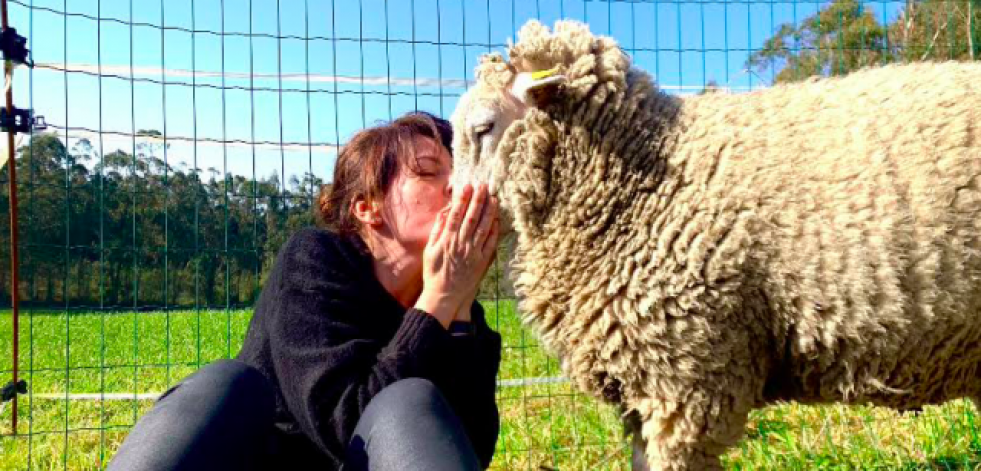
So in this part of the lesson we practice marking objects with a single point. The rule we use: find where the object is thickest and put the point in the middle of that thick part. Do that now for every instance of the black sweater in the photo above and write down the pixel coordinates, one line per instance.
(329, 337)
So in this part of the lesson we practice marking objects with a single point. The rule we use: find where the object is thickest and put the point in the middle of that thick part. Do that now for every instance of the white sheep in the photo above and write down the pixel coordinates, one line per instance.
(694, 258)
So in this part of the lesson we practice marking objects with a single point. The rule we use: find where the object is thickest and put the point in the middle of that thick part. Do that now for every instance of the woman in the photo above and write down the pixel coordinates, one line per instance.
(367, 349)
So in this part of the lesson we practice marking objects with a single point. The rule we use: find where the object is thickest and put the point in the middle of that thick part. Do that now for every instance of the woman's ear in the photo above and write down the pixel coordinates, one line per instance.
(368, 213)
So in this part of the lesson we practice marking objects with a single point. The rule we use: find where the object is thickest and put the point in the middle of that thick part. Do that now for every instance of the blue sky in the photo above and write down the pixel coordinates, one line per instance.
(408, 53)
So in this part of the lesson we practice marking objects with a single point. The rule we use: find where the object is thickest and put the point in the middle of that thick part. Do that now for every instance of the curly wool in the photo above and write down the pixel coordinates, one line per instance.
(694, 258)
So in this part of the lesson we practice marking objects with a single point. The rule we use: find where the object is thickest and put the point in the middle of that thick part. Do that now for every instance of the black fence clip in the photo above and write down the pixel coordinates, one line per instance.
(21, 121)
(14, 47)
(12, 389)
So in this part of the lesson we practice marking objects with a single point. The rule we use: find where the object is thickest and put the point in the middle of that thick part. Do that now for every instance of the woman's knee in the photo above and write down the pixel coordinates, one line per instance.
(415, 390)
(225, 389)
(231, 383)
(404, 406)
(408, 399)
(410, 425)
(209, 416)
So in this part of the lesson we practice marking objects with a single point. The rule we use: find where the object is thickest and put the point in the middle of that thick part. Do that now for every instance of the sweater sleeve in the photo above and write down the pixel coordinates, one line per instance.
(476, 360)
(329, 368)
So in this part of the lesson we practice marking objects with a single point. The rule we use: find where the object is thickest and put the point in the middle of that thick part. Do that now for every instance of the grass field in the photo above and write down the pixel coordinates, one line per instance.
(542, 424)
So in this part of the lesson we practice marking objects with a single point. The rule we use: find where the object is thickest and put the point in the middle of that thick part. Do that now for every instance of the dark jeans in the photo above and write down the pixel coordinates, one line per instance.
(221, 417)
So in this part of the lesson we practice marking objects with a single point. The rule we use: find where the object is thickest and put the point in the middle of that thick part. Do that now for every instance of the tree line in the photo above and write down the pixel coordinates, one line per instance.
(128, 230)
(846, 35)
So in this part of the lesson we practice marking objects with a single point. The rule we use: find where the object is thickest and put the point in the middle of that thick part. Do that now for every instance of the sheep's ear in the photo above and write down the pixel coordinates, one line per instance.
(535, 88)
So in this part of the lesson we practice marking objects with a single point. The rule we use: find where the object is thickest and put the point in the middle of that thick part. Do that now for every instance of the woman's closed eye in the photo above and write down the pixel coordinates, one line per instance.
(429, 167)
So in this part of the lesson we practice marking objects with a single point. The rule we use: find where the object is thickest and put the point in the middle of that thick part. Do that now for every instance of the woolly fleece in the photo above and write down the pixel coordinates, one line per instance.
(694, 258)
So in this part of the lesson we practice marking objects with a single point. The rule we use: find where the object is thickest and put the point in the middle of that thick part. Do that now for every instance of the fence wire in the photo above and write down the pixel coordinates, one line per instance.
(188, 138)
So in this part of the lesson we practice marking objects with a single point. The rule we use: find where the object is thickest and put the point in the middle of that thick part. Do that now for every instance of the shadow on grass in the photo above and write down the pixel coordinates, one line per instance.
(778, 446)
(951, 463)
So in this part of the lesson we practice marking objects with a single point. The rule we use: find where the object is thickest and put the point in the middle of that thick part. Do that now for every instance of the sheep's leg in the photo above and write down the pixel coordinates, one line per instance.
(632, 428)
(693, 433)
(638, 460)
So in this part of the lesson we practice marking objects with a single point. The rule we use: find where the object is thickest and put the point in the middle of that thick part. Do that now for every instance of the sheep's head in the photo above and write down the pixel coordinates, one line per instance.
(545, 68)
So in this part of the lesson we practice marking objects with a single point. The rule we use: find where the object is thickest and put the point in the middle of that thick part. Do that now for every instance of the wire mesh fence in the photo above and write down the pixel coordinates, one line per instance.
(187, 139)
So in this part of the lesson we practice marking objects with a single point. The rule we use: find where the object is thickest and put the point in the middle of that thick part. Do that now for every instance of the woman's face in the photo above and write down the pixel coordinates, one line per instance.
(415, 198)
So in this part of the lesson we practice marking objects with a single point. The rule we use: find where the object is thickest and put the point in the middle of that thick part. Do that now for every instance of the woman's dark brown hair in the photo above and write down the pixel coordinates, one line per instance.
(368, 163)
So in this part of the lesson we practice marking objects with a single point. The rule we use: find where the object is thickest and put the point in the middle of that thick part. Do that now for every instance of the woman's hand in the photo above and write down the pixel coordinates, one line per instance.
(460, 250)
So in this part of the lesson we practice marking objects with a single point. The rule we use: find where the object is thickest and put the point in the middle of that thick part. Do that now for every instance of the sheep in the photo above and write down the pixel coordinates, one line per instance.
(693, 258)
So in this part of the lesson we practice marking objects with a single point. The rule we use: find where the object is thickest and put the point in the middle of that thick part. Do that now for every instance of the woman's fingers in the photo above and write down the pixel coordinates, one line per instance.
(484, 226)
(438, 226)
(490, 244)
(458, 210)
(473, 218)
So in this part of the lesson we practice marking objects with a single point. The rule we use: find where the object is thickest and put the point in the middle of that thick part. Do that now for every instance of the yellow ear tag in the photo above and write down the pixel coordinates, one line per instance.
(540, 74)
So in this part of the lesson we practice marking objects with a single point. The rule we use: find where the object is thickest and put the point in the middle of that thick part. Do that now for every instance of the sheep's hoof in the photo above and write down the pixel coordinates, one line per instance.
(914, 411)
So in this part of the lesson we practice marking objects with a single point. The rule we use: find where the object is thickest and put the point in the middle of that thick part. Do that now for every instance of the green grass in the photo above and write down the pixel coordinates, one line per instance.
(547, 425)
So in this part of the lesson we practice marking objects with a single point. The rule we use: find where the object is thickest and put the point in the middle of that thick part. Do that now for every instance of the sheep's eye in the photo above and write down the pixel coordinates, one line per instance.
(482, 129)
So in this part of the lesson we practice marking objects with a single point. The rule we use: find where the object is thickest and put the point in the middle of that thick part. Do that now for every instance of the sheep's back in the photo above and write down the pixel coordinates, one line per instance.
(865, 193)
